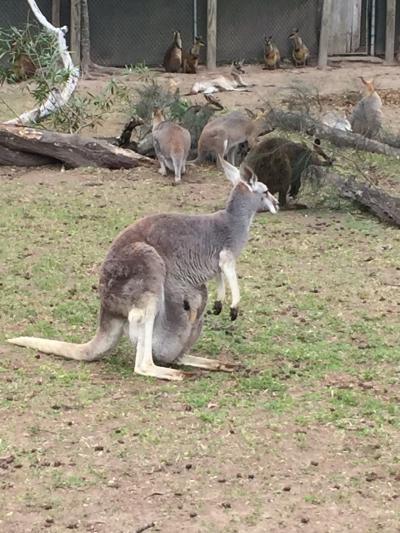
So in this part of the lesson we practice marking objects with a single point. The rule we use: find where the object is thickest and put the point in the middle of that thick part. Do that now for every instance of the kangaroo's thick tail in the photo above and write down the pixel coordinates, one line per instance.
(177, 162)
(106, 338)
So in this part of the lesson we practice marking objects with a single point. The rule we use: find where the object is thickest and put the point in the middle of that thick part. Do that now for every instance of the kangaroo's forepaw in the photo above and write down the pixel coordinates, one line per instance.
(217, 308)
(234, 313)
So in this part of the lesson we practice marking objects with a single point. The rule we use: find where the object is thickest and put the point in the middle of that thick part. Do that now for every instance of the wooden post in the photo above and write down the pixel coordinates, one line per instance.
(211, 34)
(390, 30)
(75, 31)
(325, 33)
(55, 13)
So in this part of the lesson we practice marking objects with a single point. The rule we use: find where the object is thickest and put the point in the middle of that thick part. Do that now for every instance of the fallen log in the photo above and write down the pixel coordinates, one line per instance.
(289, 120)
(71, 149)
(23, 159)
(381, 204)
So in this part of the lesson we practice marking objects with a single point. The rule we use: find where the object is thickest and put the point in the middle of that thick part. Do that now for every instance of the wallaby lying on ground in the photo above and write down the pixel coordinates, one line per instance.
(300, 52)
(152, 281)
(280, 163)
(222, 135)
(222, 83)
(173, 56)
(171, 145)
(367, 115)
(191, 58)
(272, 56)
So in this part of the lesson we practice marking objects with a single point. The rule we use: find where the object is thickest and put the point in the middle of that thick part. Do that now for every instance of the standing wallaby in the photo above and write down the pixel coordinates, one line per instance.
(300, 52)
(222, 135)
(152, 282)
(171, 145)
(367, 115)
(191, 58)
(280, 163)
(272, 56)
(173, 56)
(221, 83)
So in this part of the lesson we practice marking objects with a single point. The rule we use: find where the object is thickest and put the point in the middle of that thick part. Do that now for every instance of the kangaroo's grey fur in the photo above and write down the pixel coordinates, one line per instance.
(222, 135)
(153, 281)
(235, 82)
(171, 144)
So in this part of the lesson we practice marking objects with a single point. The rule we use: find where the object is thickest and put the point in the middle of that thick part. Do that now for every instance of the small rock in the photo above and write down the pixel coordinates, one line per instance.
(188, 466)
(287, 488)
(98, 448)
(193, 515)
(226, 505)
(113, 483)
(304, 520)
(314, 463)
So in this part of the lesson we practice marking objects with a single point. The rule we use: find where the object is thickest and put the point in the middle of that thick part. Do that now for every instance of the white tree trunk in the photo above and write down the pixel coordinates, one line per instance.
(56, 98)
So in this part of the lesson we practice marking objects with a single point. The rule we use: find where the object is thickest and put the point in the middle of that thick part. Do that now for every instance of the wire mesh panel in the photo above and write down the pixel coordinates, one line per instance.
(241, 26)
(18, 13)
(133, 31)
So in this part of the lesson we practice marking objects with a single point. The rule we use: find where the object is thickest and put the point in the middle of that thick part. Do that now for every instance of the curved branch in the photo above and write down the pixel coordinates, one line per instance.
(56, 98)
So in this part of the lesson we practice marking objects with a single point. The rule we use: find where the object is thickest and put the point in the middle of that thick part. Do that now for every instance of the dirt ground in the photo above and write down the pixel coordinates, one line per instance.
(306, 437)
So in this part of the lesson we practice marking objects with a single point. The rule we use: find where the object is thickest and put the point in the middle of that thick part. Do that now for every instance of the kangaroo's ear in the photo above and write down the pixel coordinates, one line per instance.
(247, 175)
(231, 172)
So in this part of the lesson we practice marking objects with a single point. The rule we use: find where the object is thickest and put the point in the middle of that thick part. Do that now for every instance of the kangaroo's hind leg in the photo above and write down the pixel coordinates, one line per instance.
(207, 364)
(141, 324)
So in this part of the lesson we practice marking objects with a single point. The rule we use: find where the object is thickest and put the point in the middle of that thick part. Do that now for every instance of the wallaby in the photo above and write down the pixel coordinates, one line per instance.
(367, 115)
(152, 282)
(272, 56)
(222, 83)
(173, 56)
(222, 135)
(191, 58)
(280, 163)
(300, 52)
(171, 145)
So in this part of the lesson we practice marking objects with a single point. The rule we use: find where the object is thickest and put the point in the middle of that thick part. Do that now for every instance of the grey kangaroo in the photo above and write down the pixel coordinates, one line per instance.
(153, 282)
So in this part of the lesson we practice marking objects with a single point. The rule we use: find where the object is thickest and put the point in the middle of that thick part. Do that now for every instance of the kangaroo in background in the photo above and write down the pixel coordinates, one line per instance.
(300, 52)
(153, 282)
(191, 58)
(222, 135)
(173, 56)
(221, 83)
(171, 145)
(272, 56)
(367, 115)
(280, 163)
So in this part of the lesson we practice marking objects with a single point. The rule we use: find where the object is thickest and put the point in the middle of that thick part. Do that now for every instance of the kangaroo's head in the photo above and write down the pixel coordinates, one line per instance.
(295, 38)
(260, 125)
(369, 86)
(157, 116)
(237, 67)
(178, 39)
(251, 193)
(268, 42)
(199, 41)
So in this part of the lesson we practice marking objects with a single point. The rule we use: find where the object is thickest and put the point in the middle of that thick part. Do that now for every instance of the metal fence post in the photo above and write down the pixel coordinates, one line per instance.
(211, 34)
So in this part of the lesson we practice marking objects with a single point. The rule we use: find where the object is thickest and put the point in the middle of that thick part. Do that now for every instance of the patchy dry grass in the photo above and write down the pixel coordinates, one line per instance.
(306, 436)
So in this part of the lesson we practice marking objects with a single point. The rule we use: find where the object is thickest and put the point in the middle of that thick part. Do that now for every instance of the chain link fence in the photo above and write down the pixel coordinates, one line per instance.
(136, 31)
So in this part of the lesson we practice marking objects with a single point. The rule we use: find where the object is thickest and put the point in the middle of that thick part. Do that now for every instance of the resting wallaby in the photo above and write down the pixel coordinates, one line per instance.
(191, 58)
(280, 163)
(222, 135)
(300, 52)
(152, 281)
(173, 56)
(221, 83)
(367, 115)
(171, 145)
(272, 56)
